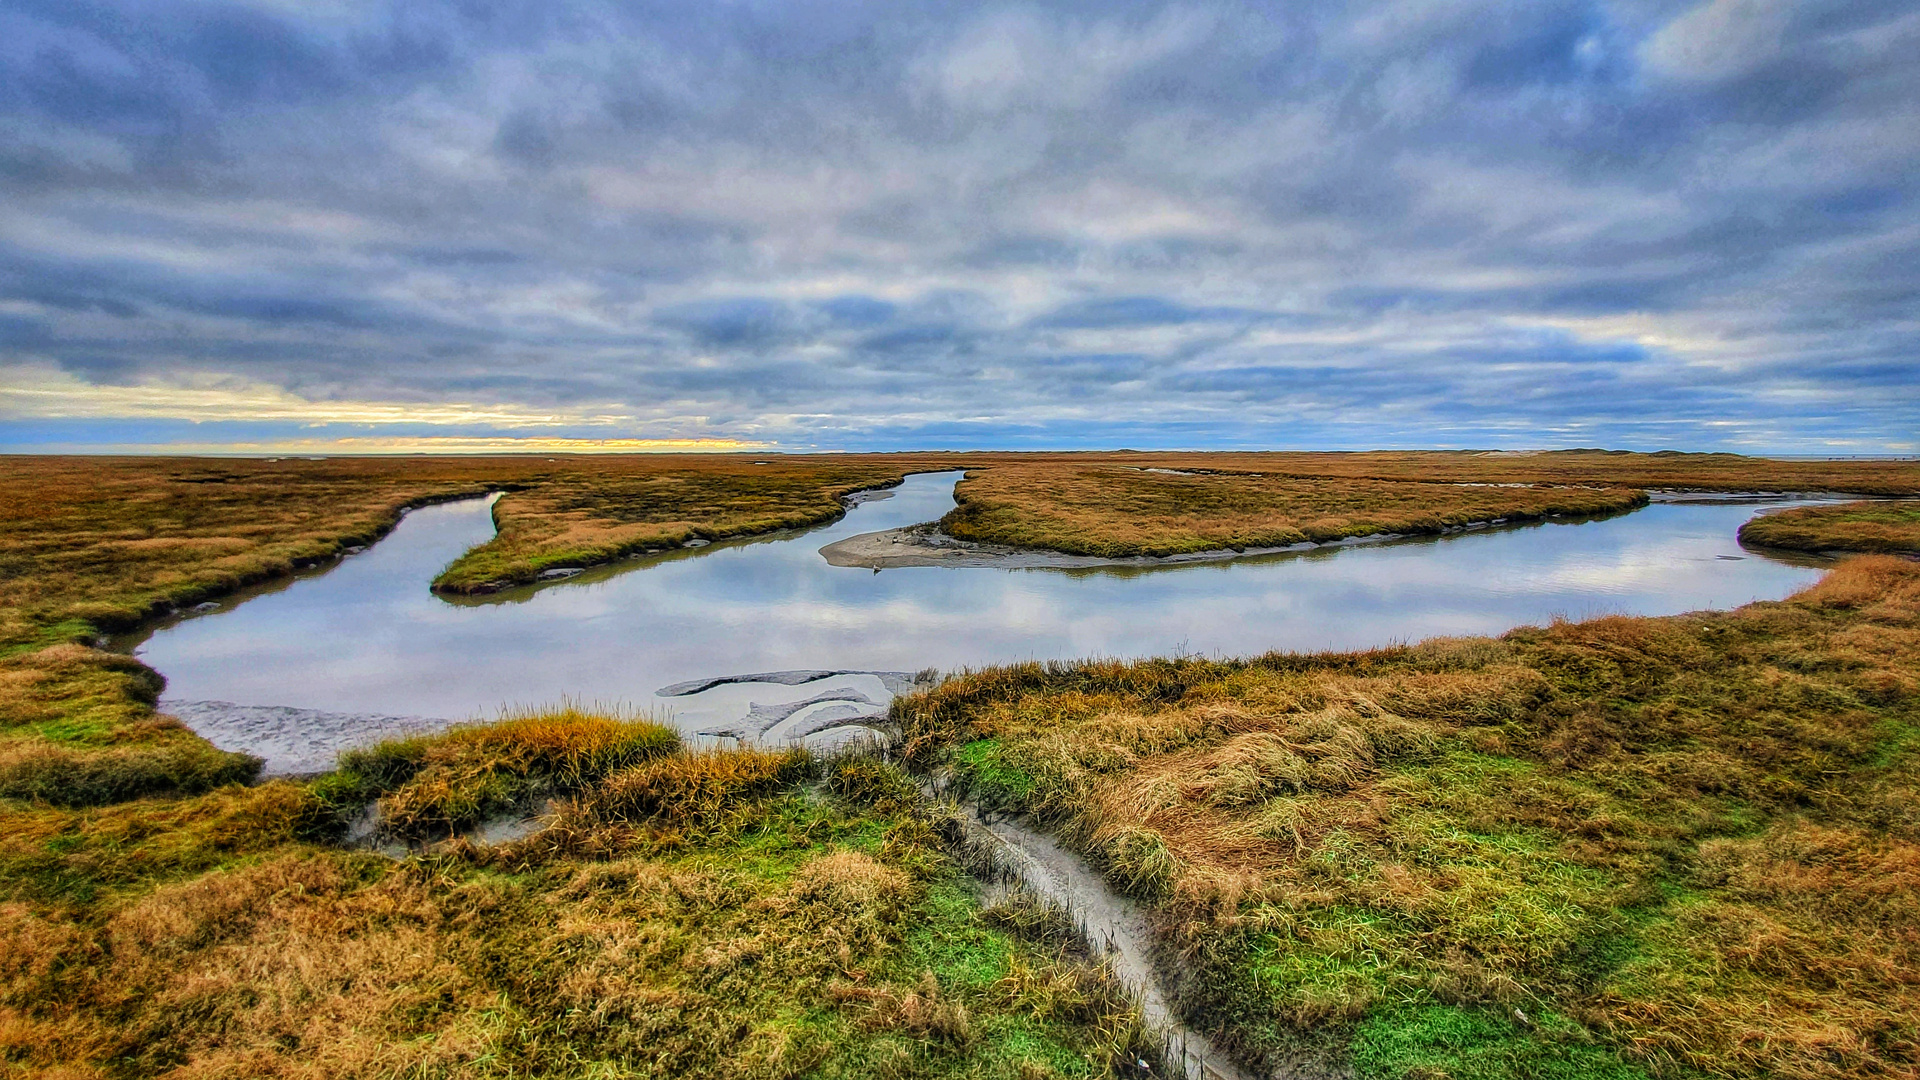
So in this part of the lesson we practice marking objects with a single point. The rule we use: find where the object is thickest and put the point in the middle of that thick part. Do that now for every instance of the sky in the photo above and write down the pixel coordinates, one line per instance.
(361, 226)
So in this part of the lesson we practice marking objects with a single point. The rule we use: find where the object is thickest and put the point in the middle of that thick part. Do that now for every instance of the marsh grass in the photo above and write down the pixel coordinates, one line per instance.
(1114, 511)
(77, 728)
(715, 914)
(594, 514)
(1588, 468)
(433, 785)
(1885, 527)
(1680, 846)
(1667, 837)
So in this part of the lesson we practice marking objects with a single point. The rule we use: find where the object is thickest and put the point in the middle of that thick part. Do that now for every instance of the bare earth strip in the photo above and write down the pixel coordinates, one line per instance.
(926, 545)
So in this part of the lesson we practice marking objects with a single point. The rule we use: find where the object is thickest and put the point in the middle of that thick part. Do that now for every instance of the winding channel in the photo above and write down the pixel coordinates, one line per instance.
(298, 670)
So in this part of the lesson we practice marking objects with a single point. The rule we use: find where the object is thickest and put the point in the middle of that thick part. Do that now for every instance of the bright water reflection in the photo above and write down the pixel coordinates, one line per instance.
(368, 636)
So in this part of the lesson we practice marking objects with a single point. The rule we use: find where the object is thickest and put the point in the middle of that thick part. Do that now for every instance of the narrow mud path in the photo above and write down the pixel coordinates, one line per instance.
(1115, 928)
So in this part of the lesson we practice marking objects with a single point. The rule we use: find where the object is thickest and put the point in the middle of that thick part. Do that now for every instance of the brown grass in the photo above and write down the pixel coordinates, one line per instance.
(1885, 527)
(1694, 838)
(91, 544)
(187, 927)
(802, 936)
(432, 785)
(1592, 468)
(1115, 510)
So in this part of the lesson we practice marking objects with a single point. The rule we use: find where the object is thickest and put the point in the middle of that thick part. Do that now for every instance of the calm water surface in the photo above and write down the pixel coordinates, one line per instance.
(367, 636)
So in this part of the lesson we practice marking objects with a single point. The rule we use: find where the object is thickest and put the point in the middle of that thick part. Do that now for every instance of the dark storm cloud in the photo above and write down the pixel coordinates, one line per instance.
(1419, 222)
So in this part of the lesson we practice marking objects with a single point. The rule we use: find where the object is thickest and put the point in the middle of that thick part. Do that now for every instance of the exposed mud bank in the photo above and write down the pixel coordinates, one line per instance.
(293, 742)
(896, 682)
(861, 715)
(926, 545)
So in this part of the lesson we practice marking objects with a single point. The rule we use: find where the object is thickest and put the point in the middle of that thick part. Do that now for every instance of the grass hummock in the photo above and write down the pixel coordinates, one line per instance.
(433, 785)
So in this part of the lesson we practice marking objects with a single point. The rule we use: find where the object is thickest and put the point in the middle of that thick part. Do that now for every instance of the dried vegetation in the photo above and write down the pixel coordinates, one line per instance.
(708, 914)
(1116, 511)
(1680, 846)
(1886, 527)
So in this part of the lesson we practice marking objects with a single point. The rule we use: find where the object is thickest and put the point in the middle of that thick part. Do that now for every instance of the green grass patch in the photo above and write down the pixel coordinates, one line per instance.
(990, 777)
(1444, 1042)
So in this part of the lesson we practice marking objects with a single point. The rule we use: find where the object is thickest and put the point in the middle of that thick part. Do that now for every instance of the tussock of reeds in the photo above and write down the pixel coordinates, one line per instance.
(434, 785)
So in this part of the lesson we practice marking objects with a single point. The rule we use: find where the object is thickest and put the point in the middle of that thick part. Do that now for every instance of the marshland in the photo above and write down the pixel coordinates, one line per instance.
(1484, 795)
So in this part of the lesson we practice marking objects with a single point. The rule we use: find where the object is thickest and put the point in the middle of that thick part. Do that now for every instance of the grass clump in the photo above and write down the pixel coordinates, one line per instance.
(68, 777)
(696, 787)
(435, 785)
(865, 781)
(1885, 527)
(1677, 846)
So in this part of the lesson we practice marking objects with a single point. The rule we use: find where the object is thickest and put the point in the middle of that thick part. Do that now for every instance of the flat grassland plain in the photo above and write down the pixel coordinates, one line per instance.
(1677, 847)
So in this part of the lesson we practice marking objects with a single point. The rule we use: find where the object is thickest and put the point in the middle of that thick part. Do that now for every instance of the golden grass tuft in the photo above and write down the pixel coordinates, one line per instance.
(689, 788)
(429, 785)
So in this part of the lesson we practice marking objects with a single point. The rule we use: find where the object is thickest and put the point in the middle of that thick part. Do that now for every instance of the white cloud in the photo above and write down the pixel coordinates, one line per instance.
(1718, 39)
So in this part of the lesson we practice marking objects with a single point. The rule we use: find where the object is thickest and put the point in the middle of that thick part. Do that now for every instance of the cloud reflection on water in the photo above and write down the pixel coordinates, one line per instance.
(368, 636)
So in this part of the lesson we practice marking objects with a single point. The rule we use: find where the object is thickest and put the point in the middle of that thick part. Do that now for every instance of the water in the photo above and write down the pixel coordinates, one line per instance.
(367, 638)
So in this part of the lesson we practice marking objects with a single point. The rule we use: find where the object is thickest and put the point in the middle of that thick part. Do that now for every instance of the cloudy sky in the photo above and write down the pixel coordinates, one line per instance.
(361, 224)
